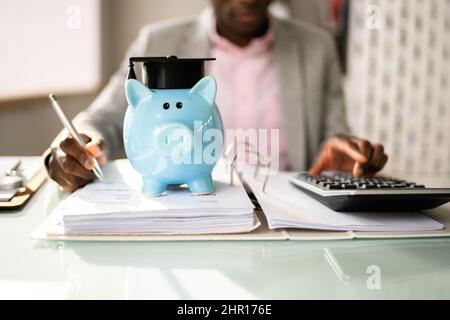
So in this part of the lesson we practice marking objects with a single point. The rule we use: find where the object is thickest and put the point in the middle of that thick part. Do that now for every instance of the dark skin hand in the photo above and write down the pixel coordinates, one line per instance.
(241, 20)
(351, 154)
(71, 165)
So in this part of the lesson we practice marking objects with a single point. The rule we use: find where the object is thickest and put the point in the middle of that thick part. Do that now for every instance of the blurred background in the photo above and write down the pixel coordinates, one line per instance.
(395, 55)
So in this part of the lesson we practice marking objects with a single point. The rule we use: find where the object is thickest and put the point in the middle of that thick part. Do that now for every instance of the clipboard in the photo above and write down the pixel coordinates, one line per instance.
(24, 194)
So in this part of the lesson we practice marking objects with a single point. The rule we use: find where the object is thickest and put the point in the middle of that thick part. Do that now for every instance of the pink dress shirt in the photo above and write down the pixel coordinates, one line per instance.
(248, 94)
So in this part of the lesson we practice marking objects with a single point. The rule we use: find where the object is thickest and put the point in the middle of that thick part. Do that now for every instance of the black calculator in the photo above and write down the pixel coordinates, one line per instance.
(341, 191)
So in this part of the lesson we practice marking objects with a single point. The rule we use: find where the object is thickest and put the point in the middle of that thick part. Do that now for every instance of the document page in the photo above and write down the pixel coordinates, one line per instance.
(121, 194)
(287, 207)
(117, 206)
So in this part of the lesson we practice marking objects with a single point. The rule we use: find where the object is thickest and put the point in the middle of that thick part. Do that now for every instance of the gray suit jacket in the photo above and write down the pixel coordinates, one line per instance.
(309, 75)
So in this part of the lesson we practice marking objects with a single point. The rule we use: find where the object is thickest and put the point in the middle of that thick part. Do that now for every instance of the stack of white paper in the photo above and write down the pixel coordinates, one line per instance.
(285, 206)
(116, 207)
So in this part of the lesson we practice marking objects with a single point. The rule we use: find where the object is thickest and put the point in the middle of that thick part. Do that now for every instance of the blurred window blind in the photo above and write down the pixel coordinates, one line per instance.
(49, 46)
(397, 86)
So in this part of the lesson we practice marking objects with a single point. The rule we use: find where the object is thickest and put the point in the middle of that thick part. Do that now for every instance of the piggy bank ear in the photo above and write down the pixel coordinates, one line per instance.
(206, 88)
(135, 92)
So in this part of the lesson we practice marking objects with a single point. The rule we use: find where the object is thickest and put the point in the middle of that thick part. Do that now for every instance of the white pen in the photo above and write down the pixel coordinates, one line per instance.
(97, 170)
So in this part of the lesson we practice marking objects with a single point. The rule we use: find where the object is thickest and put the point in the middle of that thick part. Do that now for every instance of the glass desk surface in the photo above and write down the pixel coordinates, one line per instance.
(346, 269)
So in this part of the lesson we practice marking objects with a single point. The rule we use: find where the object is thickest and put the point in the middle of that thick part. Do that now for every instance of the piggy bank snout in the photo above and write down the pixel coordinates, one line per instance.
(174, 138)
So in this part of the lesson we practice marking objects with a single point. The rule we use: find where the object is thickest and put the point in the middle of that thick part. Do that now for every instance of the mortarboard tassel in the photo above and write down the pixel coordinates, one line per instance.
(131, 73)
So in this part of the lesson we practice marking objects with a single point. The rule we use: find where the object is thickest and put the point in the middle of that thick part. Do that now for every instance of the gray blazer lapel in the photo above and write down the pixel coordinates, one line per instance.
(289, 57)
(195, 42)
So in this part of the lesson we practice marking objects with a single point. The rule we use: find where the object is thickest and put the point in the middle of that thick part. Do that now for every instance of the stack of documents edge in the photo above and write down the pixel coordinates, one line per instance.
(116, 207)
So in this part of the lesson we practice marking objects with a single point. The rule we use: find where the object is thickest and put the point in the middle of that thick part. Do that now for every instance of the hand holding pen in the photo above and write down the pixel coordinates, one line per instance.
(77, 159)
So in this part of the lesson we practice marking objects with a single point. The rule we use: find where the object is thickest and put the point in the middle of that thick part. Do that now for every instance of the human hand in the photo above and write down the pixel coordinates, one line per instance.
(351, 154)
(70, 165)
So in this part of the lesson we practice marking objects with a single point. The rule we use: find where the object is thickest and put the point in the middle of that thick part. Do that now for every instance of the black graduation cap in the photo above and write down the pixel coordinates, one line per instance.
(170, 72)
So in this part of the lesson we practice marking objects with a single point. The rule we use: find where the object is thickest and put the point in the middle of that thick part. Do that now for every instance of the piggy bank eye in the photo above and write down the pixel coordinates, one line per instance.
(179, 105)
(166, 105)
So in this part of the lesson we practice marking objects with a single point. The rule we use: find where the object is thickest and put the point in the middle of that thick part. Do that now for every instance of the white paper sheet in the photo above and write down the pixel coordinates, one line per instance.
(287, 207)
(118, 206)
(5, 196)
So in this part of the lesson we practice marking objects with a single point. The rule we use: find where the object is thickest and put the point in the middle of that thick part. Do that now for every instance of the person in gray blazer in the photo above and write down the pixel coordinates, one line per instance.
(308, 98)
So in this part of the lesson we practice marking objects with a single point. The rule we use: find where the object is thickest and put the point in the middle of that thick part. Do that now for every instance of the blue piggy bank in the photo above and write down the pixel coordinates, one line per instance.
(173, 136)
